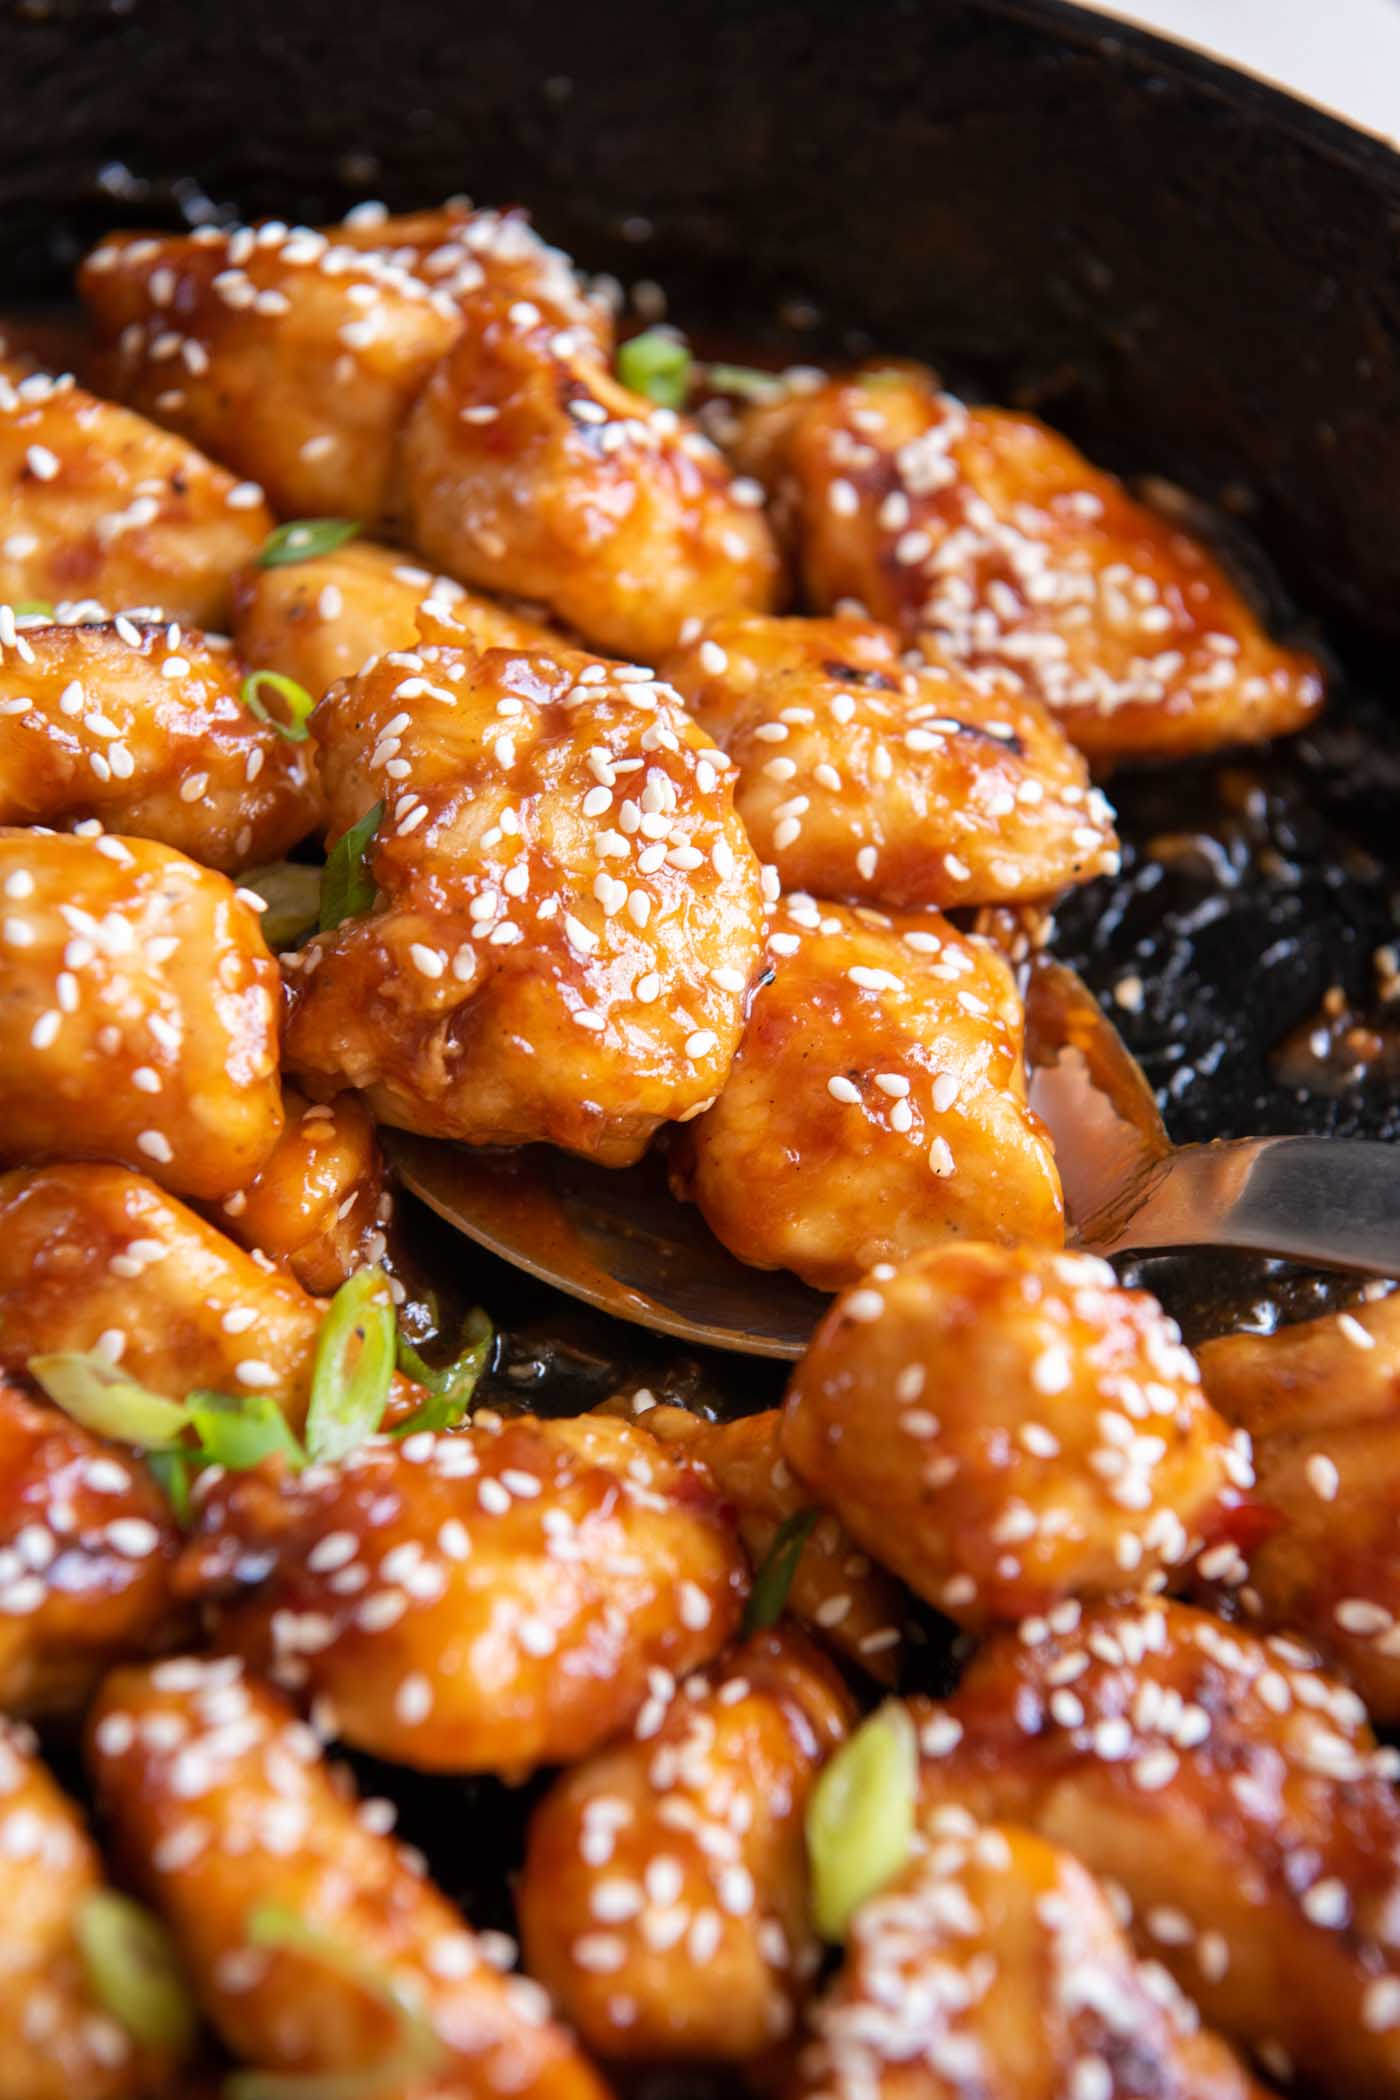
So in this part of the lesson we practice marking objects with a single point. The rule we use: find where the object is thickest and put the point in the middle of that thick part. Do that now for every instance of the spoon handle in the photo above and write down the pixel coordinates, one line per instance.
(1331, 1201)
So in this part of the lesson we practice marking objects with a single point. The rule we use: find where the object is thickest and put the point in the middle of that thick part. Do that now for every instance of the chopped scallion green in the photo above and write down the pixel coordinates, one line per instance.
(242, 1432)
(100, 1396)
(450, 1390)
(347, 887)
(860, 1818)
(353, 1367)
(745, 381)
(292, 894)
(304, 539)
(133, 1972)
(297, 700)
(656, 364)
(773, 1577)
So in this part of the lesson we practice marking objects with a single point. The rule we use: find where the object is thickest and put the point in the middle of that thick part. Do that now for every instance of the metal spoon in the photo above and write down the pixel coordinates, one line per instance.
(623, 1243)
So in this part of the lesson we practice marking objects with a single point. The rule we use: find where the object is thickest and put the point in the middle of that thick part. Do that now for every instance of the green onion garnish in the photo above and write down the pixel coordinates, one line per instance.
(773, 1577)
(173, 1471)
(347, 887)
(449, 1390)
(241, 1433)
(292, 894)
(656, 364)
(860, 1818)
(298, 701)
(353, 1367)
(132, 1970)
(744, 380)
(101, 1397)
(413, 2057)
(234, 1431)
(32, 609)
(304, 539)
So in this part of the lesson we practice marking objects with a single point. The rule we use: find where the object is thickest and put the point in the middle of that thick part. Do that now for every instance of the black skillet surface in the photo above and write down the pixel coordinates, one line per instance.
(1193, 275)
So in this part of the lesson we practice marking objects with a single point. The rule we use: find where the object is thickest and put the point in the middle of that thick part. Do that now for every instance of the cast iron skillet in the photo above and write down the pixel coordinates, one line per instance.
(1192, 274)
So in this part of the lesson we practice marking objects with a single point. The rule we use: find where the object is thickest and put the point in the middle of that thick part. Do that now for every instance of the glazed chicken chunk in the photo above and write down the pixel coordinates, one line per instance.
(144, 728)
(865, 777)
(473, 254)
(993, 540)
(1233, 1792)
(1009, 1428)
(138, 1013)
(97, 1261)
(99, 503)
(287, 354)
(568, 913)
(1322, 1404)
(877, 1104)
(993, 1969)
(319, 1206)
(58, 2041)
(664, 1901)
(528, 468)
(837, 1591)
(325, 618)
(311, 1937)
(86, 1551)
(504, 1596)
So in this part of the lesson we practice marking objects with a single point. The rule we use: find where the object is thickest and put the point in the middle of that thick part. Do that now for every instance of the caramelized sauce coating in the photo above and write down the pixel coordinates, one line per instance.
(877, 1104)
(138, 1013)
(569, 913)
(664, 1901)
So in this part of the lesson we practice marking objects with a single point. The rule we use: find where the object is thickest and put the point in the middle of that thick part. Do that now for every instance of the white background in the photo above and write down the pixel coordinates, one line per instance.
(1344, 54)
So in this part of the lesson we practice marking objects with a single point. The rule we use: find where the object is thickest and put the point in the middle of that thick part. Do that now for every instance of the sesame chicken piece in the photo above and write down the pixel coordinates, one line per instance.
(99, 503)
(57, 2040)
(992, 539)
(664, 1900)
(836, 1592)
(1233, 1792)
(866, 777)
(507, 1595)
(138, 1013)
(291, 356)
(319, 1207)
(569, 914)
(1322, 1403)
(223, 1808)
(325, 618)
(87, 1544)
(1006, 1428)
(96, 1260)
(471, 255)
(993, 1969)
(528, 468)
(877, 1103)
(144, 728)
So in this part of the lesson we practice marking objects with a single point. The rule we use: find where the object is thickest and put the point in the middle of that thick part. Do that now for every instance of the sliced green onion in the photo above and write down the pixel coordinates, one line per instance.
(304, 539)
(173, 1471)
(413, 2057)
(298, 701)
(656, 364)
(744, 380)
(32, 609)
(773, 1577)
(450, 1390)
(101, 1397)
(353, 1367)
(132, 1970)
(292, 894)
(240, 1433)
(860, 1818)
(347, 887)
